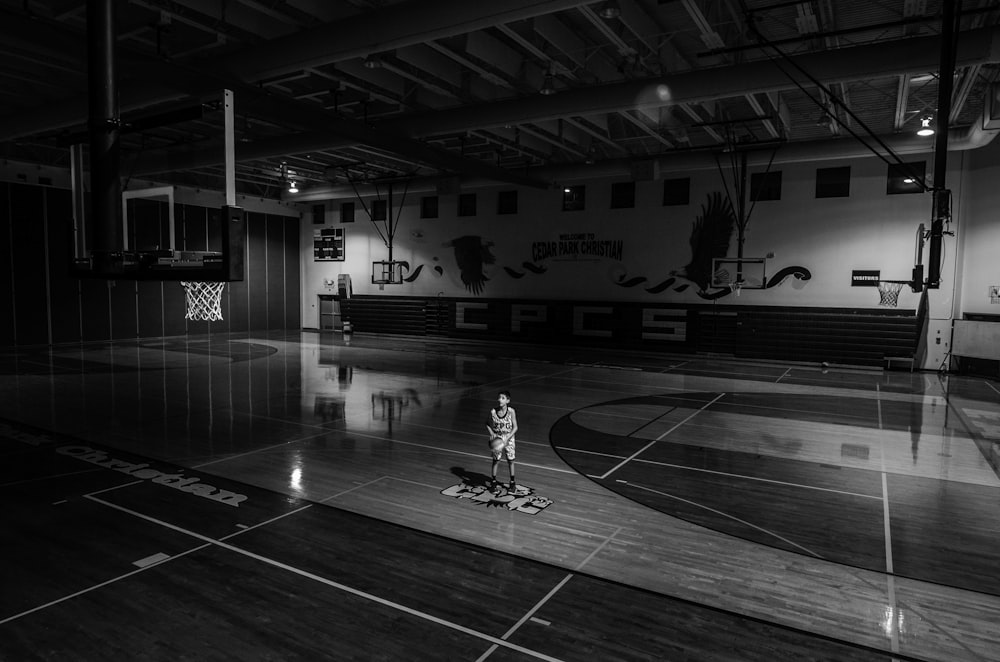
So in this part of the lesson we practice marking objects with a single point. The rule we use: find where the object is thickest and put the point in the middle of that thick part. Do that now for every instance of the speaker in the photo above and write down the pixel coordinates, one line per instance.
(234, 234)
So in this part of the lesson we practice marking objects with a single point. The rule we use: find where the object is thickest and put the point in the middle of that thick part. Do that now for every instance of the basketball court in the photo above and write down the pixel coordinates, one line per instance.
(321, 496)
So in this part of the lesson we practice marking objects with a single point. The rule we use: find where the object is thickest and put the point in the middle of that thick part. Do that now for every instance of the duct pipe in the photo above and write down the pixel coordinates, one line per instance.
(105, 185)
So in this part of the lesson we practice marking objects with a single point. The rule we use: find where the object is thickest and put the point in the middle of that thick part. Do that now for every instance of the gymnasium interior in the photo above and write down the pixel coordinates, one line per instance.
(269, 264)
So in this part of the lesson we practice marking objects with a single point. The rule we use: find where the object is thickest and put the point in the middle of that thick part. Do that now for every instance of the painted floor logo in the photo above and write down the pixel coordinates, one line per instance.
(523, 499)
(141, 471)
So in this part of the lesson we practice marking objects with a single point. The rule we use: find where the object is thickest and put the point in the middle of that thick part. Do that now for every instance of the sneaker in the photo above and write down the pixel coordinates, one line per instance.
(513, 487)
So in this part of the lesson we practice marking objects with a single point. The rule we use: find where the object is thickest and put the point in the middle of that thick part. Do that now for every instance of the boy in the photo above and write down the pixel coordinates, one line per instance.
(502, 427)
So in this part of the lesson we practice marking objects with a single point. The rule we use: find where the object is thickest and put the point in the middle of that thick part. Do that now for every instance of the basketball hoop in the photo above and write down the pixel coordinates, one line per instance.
(204, 300)
(888, 292)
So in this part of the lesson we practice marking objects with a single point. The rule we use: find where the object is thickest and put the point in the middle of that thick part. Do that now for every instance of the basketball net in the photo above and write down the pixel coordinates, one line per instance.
(204, 300)
(889, 293)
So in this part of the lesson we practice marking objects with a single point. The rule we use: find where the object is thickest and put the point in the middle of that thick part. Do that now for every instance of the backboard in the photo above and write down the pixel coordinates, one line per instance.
(748, 273)
(162, 240)
(387, 272)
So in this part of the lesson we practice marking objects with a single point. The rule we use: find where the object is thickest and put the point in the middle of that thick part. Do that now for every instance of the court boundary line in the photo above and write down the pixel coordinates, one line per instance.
(131, 573)
(726, 515)
(650, 444)
(731, 475)
(757, 619)
(323, 580)
(524, 619)
(893, 615)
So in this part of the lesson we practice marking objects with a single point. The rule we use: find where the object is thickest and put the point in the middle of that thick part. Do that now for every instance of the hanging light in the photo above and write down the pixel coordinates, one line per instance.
(373, 62)
(548, 84)
(292, 188)
(925, 127)
(609, 10)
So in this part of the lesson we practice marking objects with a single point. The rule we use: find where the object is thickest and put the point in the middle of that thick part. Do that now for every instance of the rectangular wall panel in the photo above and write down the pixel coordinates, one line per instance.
(64, 289)
(95, 309)
(194, 227)
(256, 269)
(174, 309)
(238, 314)
(213, 228)
(150, 311)
(6, 272)
(28, 259)
(124, 322)
(293, 279)
(275, 272)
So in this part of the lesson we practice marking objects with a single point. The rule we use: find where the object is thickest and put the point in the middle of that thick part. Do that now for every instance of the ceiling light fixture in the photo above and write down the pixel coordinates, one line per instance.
(548, 84)
(609, 10)
(925, 127)
(373, 62)
(292, 188)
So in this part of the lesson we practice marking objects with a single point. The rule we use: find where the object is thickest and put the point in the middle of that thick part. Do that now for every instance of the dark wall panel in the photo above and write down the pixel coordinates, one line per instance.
(64, 289)
(174, 309)
(293, 282)
(6, 273)
(256, 272)
(275, 272)
(214, 229)
(123, 309)
(39, 219)
(150, 311)
(238, 299)
(28, 257)
(194, 227)
(95, 309)
(148, 224)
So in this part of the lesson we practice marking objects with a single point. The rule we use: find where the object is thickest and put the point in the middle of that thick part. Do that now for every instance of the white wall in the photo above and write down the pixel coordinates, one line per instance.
(830, 237)
(978, 232)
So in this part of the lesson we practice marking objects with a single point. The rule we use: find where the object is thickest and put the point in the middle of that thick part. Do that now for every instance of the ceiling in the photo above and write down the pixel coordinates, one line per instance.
(342, 92)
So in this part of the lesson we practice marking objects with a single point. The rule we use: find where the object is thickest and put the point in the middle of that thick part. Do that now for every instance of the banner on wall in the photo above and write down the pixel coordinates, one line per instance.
(865, 278)
(581, 246)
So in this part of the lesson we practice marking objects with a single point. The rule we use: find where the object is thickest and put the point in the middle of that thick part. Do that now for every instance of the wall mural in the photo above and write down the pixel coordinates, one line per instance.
(711, 236)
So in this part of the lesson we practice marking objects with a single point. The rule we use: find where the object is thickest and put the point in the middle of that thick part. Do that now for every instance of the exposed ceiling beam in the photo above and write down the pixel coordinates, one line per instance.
(393, 27)
(845, 65)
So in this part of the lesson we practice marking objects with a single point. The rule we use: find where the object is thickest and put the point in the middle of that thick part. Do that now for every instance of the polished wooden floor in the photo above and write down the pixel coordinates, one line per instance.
(303, 496)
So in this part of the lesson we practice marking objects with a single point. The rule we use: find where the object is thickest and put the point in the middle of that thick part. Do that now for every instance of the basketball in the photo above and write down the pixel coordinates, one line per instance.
(496, 444)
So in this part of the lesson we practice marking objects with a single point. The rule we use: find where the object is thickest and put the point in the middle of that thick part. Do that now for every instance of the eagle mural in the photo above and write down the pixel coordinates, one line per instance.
(471, 254)
(710, 236)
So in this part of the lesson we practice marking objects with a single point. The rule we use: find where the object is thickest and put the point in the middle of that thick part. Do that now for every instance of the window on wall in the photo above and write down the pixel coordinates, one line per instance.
(833, 182)
(765, 186)
(507, 202)
(467, 204)
(346, 212)
(379, 210)
(905, 178)
(429, 207)
(574, 197)
(623, 195)
(676, 191)
(318, 214)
